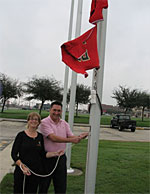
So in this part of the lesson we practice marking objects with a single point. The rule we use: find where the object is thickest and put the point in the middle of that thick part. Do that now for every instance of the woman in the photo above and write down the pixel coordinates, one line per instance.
(28, 153)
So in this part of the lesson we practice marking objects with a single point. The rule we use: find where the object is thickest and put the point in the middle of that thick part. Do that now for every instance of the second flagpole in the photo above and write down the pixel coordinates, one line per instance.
(67, 68)
(73, 87)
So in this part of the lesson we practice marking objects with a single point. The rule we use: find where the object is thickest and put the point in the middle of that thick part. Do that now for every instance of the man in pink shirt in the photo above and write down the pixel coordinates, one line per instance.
(56, 134)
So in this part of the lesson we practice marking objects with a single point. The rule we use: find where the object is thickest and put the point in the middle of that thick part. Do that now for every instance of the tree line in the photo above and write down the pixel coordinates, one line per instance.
(128, 99)
(39, 88)
(48, 88)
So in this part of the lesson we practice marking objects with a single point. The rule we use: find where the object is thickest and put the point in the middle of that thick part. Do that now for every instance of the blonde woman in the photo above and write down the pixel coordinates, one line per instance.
(28, 153)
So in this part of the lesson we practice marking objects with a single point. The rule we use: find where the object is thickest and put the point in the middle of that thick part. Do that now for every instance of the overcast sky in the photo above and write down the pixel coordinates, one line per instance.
(32, 31)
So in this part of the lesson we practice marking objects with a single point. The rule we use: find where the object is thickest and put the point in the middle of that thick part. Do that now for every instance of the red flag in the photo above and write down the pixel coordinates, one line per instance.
(81, 53)
(96, 10)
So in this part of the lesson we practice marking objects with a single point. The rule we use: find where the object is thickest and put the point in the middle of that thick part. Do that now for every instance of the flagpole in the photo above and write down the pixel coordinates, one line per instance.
(67, 68)
(73, 87)
(95, 112)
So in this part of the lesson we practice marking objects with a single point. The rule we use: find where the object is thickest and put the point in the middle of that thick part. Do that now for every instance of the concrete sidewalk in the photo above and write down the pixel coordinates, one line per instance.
(6, 161)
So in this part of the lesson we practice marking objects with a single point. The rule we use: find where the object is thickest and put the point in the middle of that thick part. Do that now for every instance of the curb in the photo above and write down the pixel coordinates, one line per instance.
(107, 126)
(13, 120)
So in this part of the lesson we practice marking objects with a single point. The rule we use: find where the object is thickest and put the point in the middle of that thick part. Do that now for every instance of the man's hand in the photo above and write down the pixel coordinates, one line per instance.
(61, 152)
(75, 139)
(54, 154)
(83, 135)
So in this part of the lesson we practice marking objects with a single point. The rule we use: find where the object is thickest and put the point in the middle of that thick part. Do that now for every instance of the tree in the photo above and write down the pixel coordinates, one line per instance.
(43, 89)
(143, 101)
(126, 98)
(82, 95)
(10, 88)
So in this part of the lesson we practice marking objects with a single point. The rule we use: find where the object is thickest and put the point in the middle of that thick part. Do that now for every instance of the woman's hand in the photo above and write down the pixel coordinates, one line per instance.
(25, 170)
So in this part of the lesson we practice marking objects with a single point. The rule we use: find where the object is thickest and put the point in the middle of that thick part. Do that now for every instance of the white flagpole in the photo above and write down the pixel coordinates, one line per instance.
(73, 86)
(67, 68)
(95, 113)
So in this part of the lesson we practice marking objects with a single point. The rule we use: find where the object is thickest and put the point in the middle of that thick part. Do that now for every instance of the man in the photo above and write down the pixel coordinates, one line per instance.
(56, 134)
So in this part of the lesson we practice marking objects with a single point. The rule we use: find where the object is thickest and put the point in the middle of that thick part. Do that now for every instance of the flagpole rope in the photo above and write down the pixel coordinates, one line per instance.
(39, 174)
(24, 181)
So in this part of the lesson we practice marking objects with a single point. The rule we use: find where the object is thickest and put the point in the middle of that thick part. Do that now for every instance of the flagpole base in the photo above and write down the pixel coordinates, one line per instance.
(70, 170)
(74, 172)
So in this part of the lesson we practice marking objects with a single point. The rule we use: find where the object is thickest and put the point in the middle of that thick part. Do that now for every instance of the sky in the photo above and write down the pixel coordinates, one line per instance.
(32, 31)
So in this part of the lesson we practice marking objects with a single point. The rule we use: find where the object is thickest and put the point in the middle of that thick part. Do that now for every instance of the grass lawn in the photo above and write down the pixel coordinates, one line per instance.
(123, 167)
(81, 118)
(20, 114)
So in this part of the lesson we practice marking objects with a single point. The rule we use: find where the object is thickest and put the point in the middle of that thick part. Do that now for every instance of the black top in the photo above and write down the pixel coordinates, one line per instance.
(30, 151)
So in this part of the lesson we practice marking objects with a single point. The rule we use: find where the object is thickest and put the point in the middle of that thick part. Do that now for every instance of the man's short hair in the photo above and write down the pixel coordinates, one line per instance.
(56, 103)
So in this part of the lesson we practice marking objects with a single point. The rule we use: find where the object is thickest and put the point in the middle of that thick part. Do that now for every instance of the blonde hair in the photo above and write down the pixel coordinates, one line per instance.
(34, 114)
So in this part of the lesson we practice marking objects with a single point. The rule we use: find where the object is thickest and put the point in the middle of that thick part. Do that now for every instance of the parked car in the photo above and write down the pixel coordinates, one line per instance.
(123, 122)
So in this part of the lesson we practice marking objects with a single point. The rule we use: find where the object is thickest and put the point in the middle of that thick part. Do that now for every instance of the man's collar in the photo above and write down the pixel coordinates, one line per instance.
(54, 121)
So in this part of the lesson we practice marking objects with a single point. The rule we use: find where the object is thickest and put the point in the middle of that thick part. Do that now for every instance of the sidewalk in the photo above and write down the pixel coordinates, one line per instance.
(6, 161)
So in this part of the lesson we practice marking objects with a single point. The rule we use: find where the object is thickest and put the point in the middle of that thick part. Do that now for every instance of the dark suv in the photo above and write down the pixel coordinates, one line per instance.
(123, 122)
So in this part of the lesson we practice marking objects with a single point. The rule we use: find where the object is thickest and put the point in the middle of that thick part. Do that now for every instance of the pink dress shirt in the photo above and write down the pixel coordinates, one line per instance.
(62, 129)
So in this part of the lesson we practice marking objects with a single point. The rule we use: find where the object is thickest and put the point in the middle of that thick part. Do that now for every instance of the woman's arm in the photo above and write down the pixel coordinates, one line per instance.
(15, 154)
(16, 146)
(24, 169)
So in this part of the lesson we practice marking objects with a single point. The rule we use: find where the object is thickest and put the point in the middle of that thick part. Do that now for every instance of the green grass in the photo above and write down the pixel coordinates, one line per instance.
(140, 123)
(6, 185)
(123, 168)
(20, 114)
(81, 118)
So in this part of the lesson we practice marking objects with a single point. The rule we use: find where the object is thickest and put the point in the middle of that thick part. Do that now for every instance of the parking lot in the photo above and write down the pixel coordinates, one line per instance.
(107, 133)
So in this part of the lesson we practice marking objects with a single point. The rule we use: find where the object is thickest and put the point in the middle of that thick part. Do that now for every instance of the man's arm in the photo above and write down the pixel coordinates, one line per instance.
(82, 135)
(71, 139)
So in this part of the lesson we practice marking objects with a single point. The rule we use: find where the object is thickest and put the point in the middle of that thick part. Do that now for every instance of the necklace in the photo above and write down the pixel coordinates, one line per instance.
(32, 134)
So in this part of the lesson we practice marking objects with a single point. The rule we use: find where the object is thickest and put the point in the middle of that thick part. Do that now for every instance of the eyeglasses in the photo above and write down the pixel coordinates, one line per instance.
(32, 119)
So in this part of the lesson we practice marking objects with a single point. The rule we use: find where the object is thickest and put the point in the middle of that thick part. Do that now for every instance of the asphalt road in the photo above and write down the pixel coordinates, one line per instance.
(9, 129)
(114, 134)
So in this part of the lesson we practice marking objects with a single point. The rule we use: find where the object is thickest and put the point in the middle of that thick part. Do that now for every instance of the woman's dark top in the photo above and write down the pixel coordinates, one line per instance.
(30, 151)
